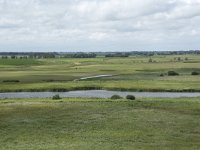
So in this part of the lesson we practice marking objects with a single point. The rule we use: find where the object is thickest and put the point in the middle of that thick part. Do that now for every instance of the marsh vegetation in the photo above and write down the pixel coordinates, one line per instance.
(134, 73)
(118, 122)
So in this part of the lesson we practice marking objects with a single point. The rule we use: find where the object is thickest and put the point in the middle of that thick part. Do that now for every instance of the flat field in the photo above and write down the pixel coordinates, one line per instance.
(153, 124)
(82, 123)
(133, 73)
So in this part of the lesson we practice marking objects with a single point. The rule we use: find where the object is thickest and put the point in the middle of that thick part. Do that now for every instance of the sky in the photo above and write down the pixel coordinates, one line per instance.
(99, 25)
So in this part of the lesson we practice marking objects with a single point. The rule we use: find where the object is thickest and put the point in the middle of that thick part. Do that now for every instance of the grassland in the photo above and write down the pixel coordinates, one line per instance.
(151, 124)
(133, 73)
(81, 123)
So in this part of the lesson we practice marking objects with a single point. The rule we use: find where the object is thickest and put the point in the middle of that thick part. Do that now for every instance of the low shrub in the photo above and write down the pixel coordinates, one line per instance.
(116, 97)
(130, 97)
(58, 90)
(56, 97)
(11, 81)
(172, 73)
(194, 73)
(162, 75)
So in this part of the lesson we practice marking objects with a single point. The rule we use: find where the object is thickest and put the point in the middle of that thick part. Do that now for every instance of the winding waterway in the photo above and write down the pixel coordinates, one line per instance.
(97, 94)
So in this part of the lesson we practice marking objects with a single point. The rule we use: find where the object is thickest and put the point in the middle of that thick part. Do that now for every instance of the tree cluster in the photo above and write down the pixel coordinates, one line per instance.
(80, 55)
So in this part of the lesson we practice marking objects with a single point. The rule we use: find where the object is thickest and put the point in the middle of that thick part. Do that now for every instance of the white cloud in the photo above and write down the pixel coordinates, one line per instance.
(99, 25)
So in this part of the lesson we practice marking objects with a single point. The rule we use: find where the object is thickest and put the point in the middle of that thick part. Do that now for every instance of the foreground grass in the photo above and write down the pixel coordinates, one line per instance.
(100, 124)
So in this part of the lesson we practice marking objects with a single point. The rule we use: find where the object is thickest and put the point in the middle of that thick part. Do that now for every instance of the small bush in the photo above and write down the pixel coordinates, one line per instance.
(162, 75)
(116, 97)
(150, 60)
(172, 73)
(58, 90)
(55, 97)
(194, 73)
(11, 81)
(130, 97)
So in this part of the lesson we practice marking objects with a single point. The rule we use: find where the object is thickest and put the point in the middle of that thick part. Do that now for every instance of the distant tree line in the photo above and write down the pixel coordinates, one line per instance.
(14, 57)
(40, 55)
(149, 53)
(46, 55)
(152, 53)
(27, 55)
(117, 55)
(80, 55)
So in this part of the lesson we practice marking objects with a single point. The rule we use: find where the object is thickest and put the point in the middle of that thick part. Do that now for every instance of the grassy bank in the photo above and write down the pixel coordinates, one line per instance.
(126, 85)
(100, 124)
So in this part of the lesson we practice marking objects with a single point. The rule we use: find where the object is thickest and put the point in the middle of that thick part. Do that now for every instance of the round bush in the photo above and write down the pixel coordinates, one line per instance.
(172, 73)
(55, 97)
(194, 73)
(116, 97)
(130, 97)
(162, 75)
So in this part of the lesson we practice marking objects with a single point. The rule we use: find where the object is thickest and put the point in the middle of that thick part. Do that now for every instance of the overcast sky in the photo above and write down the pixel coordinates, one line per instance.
(99, 25)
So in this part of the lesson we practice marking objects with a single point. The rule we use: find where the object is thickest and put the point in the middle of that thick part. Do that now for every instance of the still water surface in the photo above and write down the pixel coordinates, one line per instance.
(97, 94)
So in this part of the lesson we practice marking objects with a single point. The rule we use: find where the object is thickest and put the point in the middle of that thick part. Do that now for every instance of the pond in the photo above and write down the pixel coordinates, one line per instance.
(97, 94)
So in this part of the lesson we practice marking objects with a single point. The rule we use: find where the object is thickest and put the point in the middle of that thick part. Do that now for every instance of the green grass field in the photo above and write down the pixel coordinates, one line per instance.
(133, 73)
(153, 124)
(81, 123)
